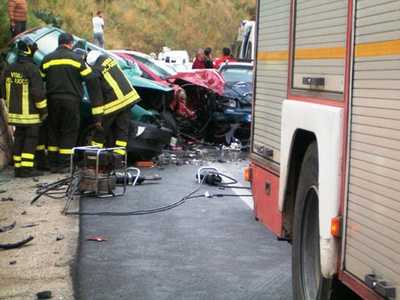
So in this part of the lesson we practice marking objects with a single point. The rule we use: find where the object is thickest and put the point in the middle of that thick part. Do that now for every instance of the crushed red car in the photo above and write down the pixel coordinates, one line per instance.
(198, 107)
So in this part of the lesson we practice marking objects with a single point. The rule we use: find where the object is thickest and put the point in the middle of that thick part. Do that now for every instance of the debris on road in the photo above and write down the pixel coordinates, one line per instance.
(96, 238)
(29, 225)
(13, 262)
(8, 227)
(60, 237)
(17, 244)
(7, 199)
(44, 295)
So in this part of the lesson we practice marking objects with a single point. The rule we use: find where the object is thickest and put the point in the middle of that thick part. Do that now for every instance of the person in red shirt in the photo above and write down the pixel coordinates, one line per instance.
(226, 57)
(199, 61)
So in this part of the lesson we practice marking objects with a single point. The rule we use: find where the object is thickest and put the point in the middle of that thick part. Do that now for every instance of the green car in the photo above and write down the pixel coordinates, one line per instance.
(148, 135)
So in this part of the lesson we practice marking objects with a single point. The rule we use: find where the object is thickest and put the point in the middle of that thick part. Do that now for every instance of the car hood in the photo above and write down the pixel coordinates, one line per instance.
(209, 79)
(140, 82)
(243, 91)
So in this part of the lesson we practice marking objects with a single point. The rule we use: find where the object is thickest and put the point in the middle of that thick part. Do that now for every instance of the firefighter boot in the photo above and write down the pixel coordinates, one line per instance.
(42, 163)
(29, 172)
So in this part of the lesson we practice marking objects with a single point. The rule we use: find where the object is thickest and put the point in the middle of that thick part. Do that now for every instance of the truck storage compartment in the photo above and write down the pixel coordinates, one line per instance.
(271, 80)
(265, 190)
(372, 249)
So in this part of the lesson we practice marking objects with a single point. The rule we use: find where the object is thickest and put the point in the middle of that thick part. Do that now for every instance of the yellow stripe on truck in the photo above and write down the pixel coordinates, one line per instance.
(274, 55)
(320, 53)
(378, 49)
(386, 48)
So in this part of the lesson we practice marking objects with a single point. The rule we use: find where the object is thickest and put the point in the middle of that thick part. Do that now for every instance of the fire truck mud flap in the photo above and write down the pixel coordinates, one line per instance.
(147, 140)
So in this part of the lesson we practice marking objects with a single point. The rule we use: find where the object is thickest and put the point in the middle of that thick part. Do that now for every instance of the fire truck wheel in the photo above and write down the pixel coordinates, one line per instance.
(308, 283)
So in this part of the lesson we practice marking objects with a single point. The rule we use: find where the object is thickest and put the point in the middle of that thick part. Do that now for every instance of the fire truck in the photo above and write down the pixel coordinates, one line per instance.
(325, 151)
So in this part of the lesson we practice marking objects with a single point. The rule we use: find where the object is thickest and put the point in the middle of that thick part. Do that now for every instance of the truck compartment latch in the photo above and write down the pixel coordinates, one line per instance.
(380, 286)
(314, 81)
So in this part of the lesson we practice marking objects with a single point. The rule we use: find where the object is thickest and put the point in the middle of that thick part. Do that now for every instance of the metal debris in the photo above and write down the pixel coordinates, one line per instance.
(29, 225)
(96, 238)
(8, 227)
(44, 295)
(17, 244)
(5, 199)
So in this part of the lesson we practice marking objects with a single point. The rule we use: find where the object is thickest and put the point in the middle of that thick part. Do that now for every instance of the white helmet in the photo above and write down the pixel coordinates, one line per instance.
(92, 57)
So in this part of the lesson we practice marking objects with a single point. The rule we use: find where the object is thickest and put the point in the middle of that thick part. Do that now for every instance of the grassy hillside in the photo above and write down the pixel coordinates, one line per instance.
(147, 25)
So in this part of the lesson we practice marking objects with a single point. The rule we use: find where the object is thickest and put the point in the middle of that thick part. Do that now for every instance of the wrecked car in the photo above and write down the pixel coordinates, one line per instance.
(200, 108)
(237, 98)
(160, 72)
(148, 131)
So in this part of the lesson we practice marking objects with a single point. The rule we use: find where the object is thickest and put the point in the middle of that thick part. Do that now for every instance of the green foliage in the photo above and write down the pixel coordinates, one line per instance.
(48, 17)
(4, 24)
(144, 25)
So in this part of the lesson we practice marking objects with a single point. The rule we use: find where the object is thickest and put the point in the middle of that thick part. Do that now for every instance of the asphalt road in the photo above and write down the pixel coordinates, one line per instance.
(204, 249)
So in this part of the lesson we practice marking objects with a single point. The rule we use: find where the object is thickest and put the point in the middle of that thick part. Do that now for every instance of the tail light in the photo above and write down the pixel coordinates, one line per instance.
(247, 174)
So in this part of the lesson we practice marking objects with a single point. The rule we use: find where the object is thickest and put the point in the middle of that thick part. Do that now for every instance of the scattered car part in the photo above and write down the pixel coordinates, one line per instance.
(44, 295)
(8, 227)
(96, 238)
(17, 244)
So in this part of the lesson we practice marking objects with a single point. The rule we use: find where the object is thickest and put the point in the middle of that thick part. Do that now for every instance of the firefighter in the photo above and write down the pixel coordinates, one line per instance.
(23, 90)
(64, 71)
(118, 98)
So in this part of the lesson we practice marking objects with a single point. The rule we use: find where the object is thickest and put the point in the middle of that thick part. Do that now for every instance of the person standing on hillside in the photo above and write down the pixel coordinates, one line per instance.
(17, 12)
(199, 61)
(226, 57)
(98, 29)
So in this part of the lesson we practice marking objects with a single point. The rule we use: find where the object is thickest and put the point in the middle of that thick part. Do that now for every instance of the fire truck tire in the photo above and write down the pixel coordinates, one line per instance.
(308, 283)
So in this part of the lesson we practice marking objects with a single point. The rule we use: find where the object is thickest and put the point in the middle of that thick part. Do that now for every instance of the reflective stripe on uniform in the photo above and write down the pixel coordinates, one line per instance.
(86, 72)
(120, 103)
(25, 99)
(98, 110)
(121, 143)
(21, 119)
(120, 151)
(16, 158)
(62, 62)
(8, 91)
(27, 164)
(65, 151)
(17, 165)
(42, 104)
(28, 156)
(114, 85)
(42, 74)
(53, 148)
(40, 147)
(100, 145)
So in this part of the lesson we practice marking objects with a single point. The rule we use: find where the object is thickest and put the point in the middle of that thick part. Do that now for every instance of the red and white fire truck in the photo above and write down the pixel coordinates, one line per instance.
(325, 154)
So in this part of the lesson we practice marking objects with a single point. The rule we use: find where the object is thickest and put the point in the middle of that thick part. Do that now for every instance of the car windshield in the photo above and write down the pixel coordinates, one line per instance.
(49, 42)
(156, 69)
(237, 73)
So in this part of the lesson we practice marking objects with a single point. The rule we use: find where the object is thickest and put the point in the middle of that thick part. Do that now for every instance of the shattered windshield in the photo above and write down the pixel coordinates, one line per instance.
(49, 42)
(238, 73)
(156, 69)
